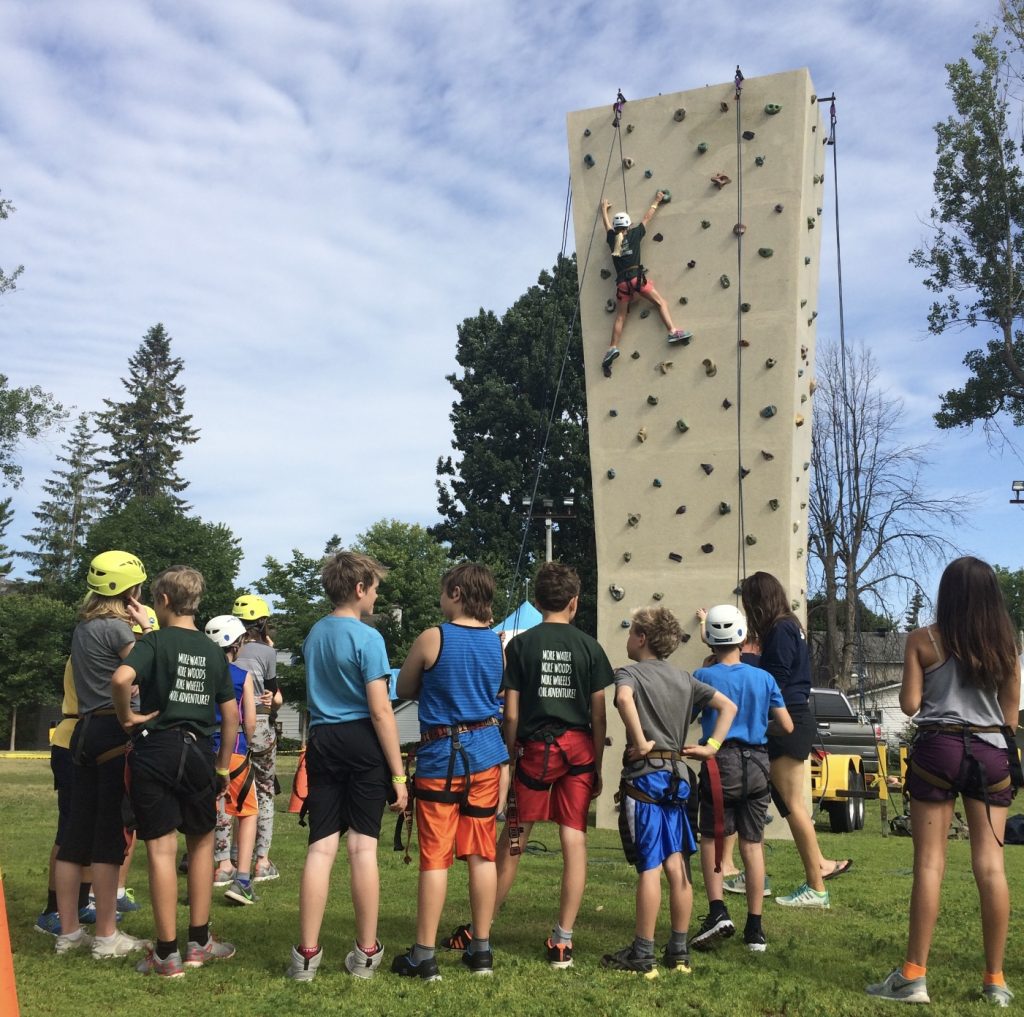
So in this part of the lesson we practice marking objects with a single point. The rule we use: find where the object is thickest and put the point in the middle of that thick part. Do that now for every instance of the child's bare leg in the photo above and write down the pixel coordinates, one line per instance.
(659, 302)
(432, 890)
(508, 864)
(648, 902)
(712, 879)
(680, 893)
(574, 874)
(222, 839)
(990, 875)
(728, 865)
(483, 887)
(126, 865)
(200, 874)
(104, 888)
(316, 879)
(752, 853)
(364, 878)
(162, 859)
(246, 842)
(67, 877)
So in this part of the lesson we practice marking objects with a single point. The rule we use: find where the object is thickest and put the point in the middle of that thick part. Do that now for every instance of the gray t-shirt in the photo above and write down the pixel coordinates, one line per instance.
(666, 698)
(260, 661)
(95, 658)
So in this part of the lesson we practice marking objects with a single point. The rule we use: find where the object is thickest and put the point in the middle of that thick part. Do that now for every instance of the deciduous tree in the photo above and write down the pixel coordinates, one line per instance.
(26, 413)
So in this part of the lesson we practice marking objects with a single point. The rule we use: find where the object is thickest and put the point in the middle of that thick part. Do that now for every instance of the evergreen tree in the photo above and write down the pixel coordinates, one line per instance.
(70, 506)
(6, 555)
(148, 429)
(913, 616)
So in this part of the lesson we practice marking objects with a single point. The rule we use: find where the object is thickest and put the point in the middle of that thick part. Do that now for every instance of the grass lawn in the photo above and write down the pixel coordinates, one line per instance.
(816, 963)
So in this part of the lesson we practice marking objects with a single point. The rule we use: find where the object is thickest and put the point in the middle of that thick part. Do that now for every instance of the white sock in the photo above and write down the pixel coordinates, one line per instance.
(120, 891)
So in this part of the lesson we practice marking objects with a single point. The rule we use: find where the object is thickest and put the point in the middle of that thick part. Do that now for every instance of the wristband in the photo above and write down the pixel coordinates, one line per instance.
(223, 773)
(401, 779)
(714, 743)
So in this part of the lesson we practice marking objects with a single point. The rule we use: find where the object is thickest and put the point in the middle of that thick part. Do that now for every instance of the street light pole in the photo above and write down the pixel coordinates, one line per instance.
(549, 516)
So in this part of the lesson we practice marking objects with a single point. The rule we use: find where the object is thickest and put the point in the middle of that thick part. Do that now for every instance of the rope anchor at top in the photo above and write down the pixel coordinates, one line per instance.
(620, 101)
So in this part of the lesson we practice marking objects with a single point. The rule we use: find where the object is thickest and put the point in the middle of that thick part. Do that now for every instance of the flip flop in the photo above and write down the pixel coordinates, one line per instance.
(840, 868)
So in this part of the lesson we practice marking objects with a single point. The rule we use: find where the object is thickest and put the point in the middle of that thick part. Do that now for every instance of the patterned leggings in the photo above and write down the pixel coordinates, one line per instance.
(263, 746)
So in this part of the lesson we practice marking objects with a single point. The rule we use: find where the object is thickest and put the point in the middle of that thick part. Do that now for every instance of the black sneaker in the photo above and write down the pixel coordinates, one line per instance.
(480, 963)
(678, 962)
(426, 969)
(459, 939)
(610, 354)
(712, 928)
(559, 954)
(626, 960)
(756, 943)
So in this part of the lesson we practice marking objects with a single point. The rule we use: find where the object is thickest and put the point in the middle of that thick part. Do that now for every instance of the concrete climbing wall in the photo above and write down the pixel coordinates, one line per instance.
(700, 452)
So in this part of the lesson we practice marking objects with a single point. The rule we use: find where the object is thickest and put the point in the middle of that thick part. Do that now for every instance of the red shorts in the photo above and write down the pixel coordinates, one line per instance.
(237, 803)
(444, 833)
(566, 800)
(628, 289)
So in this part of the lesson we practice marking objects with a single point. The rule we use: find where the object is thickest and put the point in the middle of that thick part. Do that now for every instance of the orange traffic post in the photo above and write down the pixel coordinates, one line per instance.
(8, 990)
(299, 785)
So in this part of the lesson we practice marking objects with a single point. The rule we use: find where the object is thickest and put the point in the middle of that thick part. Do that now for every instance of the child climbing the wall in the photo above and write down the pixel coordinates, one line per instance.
(630, 275)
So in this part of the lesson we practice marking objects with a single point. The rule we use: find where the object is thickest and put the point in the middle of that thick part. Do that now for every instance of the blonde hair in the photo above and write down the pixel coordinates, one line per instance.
(661, 628)
(96, 606)
(344, 571)
(182, 585)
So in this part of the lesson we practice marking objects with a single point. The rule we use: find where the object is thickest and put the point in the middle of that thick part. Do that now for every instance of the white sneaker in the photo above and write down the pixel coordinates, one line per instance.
(302, 969)
(804, 897)
(362, 965)
(120, 944)
(900, 989)
(75, 941)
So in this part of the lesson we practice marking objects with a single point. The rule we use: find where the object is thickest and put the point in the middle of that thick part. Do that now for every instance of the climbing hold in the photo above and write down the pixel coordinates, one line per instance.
(803, 302)
(720, 180)
(744, 343)
(799, 420)
(814, 314)
(635, 355)
(627, 163)
(648, 173)
(750, 540)
(691, 264)
(766, 455)
(705, 224)
(707, 468)
(739, 229)
(652, 400)
(803, 352)
(657, 596)
(807, 466)
(819, 210)
(810, 222)
(800, 372)
(681, 511)
(625, 623)
(588, 160)
(748, 135)
(702, 147)
(779, 207)
(611, 474)
(799, 552)
(586, 132)
(744, 473)
(803, 398)
(770, 363)
(737, 590)
(710, 367)
(819, 178)
(666, 195)
(724, 508)
(758, 160)
(769, 411)
(641, 435)
(629, 128)
(656, 482)
(723, 106)
(682, 426)
(807, 259)
(609, 305)
(707, 548)
(657, 238)
(684, 300)
(726, 404)
(796, 527)
(803, 505)
(724, 280)
(645, 313)
(812, 385)
(664, 367)
(675, 556)
(680, 115)
(814, 98)
(633, 519)
(606, 273)
(772, 108)
(617, 592)
(765, 252)
(613, 413)
(744, 306)
(627, 555)
(773, 504)
(685, 637)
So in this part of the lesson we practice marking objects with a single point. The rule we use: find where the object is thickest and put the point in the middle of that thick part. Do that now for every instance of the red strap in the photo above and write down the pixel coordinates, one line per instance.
(717, 809)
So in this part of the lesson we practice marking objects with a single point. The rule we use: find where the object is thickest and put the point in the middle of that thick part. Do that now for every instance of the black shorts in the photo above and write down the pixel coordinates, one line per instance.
(63, 771)
(744, 773)
(94, 831)
(172, 783)
(799, 743)
(349, 780)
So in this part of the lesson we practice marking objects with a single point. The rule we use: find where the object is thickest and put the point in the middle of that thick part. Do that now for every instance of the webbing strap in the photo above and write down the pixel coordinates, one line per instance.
(717, 809)
(247, 768)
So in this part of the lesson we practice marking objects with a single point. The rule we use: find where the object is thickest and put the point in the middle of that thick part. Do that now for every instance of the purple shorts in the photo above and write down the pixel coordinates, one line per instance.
(942, 755)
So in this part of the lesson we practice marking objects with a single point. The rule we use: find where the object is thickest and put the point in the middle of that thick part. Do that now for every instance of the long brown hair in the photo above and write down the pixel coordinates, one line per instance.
(765, 604)
(974, 624)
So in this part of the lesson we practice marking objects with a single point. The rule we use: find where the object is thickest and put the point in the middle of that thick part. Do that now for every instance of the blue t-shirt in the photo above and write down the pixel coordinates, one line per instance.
(462, 688)
(238, 681)
(342, 655)
(754, 692)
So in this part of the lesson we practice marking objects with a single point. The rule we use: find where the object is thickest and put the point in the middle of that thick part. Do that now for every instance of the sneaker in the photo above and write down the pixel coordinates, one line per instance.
(559, 954)
(756, 943)
(264, 873)
(75, 941)
(712, 928)
(224, 877)
(904, 990)
(126, 902)
(479, 963)
(169, 967)
(87, 914)
(680, 336)
(240, 893)
(196, 956)
(303, 969)
(997, 995)
(426, 969)
(677, 961)
(48, 922)
(120, 944)
(610, 355)
(183, 864)
(804, 897)
(362, 964)
(738, 884)
(459, 939)
(626, 960)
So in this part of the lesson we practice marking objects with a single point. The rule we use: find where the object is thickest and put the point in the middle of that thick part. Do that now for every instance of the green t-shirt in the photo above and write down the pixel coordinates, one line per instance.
(555, 669)
(181, 673)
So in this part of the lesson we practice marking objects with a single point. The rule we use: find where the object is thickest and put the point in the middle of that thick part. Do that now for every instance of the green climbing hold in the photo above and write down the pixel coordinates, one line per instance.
(765, 252)
(758, 160)
(710, 367)
(635, 355)
(627, 555)
(684, 300)
(750, 540)
(807, 259)
(609, 305)
(633, 519)
(724, 508)
(656, 482)
(772, 108)
(724, 280)
(645, 313)
(666, 195)
(744, 306)
(606, 273)
(625, 623)
(680, 115)
(769, 411)
(702, 147)
(723, 106)
(770, 363)
(630, 128)
(652, 400)
(803, 302)
(773, 504)
(648, 173)
(586, 132)
(811, 221)
(682, 426)
(588, 160)
(657, 595)
(613, 413)
(705, 224)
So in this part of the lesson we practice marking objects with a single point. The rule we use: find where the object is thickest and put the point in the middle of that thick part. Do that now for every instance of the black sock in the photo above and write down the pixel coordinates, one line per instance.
(717, 909)
(199, 934)
(753, 924)
(84, 889)
(51, 900)
(165, 947)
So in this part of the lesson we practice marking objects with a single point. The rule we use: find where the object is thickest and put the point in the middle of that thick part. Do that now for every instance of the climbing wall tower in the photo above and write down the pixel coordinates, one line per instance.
(700, 452)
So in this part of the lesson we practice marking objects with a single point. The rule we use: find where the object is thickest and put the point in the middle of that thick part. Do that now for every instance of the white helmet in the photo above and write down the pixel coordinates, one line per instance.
(621, 219)
(725, 626)
(225, 630)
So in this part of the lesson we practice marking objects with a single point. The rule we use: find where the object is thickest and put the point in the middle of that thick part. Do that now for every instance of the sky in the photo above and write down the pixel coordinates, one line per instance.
(311, 195)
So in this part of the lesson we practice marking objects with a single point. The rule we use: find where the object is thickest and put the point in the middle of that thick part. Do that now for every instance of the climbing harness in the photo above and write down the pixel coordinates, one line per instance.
(512, 824)
(549, 737)
(79, 758)
(244, 767)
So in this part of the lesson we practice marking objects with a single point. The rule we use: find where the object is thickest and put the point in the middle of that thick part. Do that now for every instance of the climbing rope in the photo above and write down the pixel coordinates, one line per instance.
(741, 547)
(617, 106)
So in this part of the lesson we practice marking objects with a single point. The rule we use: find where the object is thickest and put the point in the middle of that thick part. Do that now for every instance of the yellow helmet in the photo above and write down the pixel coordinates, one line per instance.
(249, 607)
(115, 572)
(153, 623)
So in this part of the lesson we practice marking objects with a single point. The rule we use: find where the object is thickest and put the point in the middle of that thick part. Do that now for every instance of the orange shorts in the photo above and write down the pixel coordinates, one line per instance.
(444, 833)
(248, 805)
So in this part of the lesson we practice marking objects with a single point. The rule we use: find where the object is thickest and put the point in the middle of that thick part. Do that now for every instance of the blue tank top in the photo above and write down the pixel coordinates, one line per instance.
(462, 688)
(238, 681)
